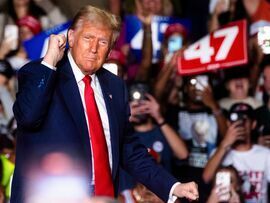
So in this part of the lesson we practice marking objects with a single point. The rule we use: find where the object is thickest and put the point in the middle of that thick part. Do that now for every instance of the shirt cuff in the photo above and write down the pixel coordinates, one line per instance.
(48, 65)
(172, 197)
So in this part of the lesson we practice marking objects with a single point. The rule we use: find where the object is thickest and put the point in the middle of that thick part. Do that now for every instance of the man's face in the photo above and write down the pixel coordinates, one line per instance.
(89, 45)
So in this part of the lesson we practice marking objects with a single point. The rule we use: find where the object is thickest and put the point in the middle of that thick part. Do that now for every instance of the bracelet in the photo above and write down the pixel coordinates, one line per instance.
(162, 123)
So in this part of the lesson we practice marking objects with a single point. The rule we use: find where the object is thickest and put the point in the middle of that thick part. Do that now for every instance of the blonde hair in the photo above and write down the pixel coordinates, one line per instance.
(98, 17)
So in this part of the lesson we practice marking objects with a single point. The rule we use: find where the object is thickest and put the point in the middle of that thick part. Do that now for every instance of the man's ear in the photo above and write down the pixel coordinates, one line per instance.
(70, 37)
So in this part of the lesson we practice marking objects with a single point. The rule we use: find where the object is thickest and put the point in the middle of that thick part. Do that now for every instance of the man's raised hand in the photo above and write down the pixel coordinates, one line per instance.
(56, 48)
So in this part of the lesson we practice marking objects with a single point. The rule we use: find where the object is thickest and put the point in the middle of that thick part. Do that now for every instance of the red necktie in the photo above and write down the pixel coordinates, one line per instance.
(103, 177)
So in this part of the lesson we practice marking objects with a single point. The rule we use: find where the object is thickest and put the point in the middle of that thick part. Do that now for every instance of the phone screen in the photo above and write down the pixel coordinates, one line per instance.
(201, 82)
(223, 180)
(264, 39)
(175, 43)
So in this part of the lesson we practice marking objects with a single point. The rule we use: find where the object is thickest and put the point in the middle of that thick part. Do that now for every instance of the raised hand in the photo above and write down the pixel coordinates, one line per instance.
(152, 108)
(135, 110)
(56, 48)
(235, 132)
(187, 190)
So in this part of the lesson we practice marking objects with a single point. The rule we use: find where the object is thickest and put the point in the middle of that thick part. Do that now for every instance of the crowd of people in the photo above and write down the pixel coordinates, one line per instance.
(195, 133)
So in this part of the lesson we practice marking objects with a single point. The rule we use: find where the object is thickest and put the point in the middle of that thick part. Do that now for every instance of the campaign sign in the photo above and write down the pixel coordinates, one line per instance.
(134, 33)
(222, 48)
(36, 47)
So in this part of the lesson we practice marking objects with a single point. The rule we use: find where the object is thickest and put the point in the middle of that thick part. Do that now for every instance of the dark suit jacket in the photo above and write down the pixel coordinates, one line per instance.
(50, 117)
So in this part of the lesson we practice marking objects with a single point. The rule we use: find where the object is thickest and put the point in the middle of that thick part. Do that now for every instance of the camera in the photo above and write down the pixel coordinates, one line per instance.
(236, 117)
(264, 39)
(200, 82)
(137, 91)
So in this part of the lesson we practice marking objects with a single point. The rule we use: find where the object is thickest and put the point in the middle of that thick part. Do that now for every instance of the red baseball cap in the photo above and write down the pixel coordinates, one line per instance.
(117, 55)
(175, 28)
(31, 22)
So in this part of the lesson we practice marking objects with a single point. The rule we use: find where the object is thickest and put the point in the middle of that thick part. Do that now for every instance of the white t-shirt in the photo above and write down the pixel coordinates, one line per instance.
(188, 122)
(254, 169)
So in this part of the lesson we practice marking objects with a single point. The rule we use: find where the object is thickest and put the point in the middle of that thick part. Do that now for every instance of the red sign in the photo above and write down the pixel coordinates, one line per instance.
(222, 48)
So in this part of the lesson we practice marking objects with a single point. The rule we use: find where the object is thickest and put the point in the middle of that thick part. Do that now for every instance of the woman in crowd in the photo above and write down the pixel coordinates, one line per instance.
(230, 192)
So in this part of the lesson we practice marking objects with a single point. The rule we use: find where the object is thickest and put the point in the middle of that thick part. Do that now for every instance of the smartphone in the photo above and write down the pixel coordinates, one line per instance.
(201, 82)
(223, 180)
(263, 37)
(11, 34)
(175, 43)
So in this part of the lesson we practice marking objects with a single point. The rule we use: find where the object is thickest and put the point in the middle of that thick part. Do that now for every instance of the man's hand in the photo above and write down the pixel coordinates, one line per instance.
(135, 110)
(187, 190)
(56, 48)
(152, 107)
(235, 132)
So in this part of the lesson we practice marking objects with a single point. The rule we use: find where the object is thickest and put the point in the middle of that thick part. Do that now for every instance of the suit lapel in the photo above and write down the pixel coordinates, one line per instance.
(114, 130)
(70, 92)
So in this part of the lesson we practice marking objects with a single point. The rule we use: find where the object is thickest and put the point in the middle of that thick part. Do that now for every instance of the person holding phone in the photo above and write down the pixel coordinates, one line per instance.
(252, 161)
(152, 130)
(226, 186)
(175, 40)
(200, 123)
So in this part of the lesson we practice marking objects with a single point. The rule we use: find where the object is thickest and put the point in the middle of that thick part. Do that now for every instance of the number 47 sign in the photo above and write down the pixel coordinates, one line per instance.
(222, 48)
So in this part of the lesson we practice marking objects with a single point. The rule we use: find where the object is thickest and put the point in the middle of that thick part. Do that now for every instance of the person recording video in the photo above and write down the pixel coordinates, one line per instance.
(250, 160)
(226, 186)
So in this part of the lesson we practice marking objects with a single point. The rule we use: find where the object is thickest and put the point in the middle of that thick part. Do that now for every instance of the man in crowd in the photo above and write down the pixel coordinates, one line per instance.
(251, 161)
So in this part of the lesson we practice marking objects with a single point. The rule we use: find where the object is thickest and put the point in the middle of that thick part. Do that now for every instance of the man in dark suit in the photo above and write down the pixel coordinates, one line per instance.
(52, 112)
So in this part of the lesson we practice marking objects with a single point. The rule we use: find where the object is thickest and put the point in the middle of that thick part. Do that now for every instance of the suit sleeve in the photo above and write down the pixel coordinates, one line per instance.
(142, 166)
(36, 87)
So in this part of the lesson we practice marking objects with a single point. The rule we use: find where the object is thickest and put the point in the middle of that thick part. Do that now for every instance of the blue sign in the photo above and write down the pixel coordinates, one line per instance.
(134, 33)
(36, 47)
